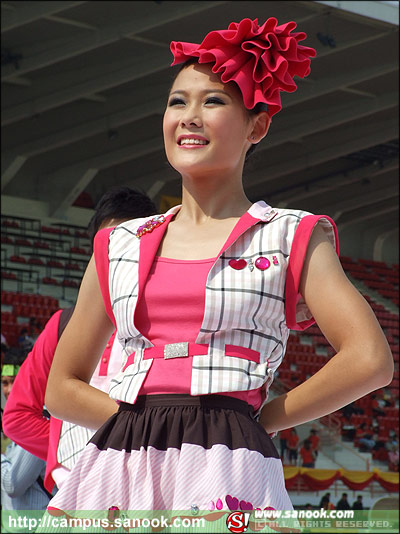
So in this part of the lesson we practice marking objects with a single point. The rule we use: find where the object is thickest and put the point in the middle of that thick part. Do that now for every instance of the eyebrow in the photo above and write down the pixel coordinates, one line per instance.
(204, 92)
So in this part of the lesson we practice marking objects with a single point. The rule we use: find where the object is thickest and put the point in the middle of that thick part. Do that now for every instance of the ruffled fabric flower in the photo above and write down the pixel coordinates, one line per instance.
(261, 60)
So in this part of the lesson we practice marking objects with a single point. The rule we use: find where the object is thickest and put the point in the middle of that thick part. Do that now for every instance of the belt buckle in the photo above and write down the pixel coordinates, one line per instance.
(176, 350)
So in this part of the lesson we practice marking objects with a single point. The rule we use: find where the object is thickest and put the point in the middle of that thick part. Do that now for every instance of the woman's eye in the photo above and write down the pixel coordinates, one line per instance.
(175, 101)
(214, 100)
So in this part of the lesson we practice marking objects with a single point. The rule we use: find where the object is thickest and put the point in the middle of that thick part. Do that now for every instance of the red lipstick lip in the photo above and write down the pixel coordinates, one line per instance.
(191, 136)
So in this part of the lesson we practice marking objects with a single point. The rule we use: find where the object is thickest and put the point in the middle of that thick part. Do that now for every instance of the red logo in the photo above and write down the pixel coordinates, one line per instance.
(237, 522)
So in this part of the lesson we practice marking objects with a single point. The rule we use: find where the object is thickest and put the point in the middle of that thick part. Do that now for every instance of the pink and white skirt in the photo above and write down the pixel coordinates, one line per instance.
(177, 452)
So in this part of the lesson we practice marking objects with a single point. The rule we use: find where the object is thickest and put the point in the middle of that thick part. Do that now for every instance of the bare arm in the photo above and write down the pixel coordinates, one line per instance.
(363, 362)
(69, 395)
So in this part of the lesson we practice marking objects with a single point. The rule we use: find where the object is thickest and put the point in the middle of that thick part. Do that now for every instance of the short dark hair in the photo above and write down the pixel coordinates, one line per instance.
(120, 203)
(15, 356)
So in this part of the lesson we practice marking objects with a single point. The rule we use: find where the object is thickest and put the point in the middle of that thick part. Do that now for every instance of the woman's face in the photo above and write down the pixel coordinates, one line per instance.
(206, 126)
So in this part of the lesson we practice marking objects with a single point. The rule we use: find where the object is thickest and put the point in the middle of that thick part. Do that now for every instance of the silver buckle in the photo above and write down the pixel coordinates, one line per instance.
(176, 350)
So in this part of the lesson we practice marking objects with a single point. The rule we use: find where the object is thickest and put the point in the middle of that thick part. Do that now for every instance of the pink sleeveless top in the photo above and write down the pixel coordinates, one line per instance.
(171, 310)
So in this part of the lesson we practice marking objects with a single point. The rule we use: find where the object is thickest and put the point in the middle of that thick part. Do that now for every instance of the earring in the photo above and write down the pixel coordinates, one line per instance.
(252, 137)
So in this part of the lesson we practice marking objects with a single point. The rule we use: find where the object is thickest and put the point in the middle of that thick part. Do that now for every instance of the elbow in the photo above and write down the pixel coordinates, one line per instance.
(381, 367)
(50, 401)
(8, 428)
(12, 489)
(387, 366)
(11, 423)
(57, 395)
(52, 396)
(13, 493)
(386, 374)
(384, 378)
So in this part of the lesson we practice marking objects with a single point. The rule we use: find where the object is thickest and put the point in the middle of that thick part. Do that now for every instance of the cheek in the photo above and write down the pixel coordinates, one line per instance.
(169, 129)
(165, 126)
(234, 134)
(167, 132)
(170, 121)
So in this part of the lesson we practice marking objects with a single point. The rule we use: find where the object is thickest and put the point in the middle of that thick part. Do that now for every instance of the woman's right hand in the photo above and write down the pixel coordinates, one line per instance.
(69, 395)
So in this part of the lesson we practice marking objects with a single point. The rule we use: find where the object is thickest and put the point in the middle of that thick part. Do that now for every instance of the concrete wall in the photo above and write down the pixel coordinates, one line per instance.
(369, 241)
(35, 209)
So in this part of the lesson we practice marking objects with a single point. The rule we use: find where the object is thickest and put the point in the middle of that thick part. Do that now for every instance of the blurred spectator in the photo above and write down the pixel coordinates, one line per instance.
(393, 438)
(307, 454)
(365, 438)
(361, 431)
(283, 438)
(358, 504)
(377, 406)
(9, 368)
(293, 445)
(21, 472)
(343, 504)
(25, 342)
(351, 409)
(348, 428)
(380, 444)
(387, 397)
(315, 440)
(35, 327)
(349, 432)
(392, 446)
(393, 457)
(326, 503)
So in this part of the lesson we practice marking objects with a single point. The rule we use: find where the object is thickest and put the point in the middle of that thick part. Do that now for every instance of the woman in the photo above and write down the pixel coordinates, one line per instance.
(203, 298)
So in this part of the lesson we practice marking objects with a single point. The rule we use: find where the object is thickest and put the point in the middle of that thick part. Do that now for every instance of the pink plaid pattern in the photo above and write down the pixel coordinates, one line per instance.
(243, 307)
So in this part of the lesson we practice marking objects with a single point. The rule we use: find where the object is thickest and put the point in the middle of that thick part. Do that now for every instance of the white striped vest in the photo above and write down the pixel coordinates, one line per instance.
(244, 307)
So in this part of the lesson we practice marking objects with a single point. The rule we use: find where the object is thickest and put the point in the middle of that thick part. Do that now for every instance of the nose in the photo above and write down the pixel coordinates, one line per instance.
(191, 117)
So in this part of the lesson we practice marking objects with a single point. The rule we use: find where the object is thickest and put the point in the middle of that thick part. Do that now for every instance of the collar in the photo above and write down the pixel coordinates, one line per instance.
(259, 210)
(263, 211)
(149, 243)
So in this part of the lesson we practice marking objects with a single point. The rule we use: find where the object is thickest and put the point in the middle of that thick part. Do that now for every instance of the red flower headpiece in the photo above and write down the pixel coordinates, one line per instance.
(262, 60)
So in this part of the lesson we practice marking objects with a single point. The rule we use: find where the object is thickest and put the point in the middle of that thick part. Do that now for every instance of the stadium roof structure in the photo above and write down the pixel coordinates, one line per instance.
(85, 85)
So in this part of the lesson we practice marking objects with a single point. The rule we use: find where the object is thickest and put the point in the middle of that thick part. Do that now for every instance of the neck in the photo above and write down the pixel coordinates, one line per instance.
(206, 199)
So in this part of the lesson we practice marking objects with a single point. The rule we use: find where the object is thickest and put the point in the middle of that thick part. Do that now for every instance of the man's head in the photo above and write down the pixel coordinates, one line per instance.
(119, 204)
(13, 360)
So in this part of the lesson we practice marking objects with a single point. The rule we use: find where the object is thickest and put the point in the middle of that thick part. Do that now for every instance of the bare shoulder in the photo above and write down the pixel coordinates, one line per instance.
(90, 303)
(339, 309)
(321, 262)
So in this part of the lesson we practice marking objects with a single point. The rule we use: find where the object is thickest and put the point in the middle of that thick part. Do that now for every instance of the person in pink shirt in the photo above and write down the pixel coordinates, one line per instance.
(53, 440)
